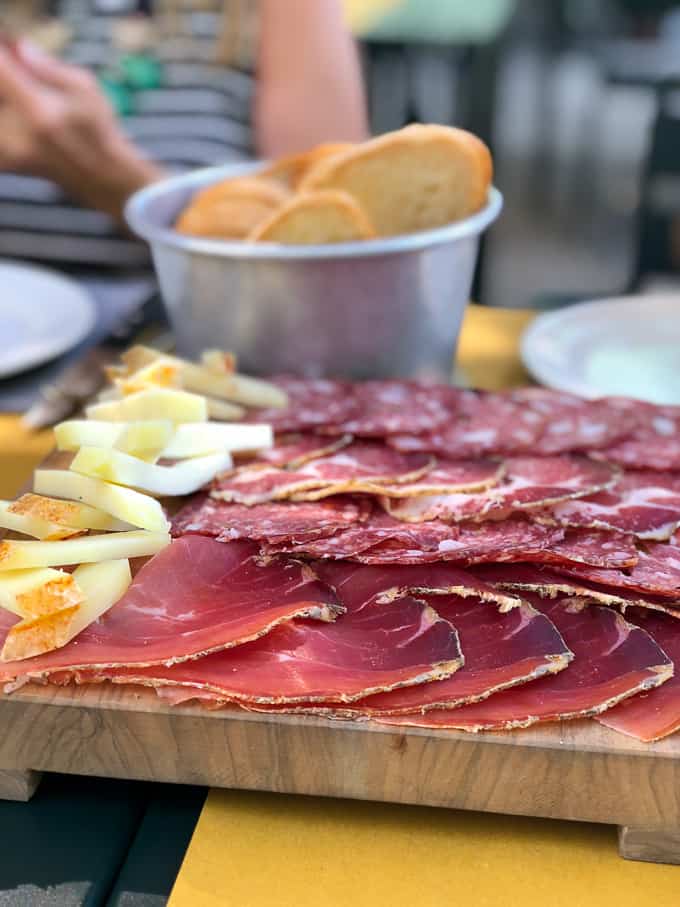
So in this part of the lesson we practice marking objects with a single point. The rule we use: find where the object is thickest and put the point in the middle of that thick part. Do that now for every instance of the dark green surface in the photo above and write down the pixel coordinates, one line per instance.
(86, 842)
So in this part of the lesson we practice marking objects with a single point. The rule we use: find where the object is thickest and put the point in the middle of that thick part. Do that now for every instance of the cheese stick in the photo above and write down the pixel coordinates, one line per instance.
(36, 509)
(157, 403)
(83, 550)
(30, 593)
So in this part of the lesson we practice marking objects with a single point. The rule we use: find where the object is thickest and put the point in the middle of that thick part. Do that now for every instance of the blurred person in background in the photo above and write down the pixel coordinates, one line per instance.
(99, 98)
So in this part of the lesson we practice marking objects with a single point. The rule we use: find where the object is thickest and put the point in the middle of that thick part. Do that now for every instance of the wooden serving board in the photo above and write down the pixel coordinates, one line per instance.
(572, 770)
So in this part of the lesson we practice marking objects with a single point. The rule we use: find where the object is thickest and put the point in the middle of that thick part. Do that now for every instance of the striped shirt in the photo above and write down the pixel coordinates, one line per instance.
(199, 115)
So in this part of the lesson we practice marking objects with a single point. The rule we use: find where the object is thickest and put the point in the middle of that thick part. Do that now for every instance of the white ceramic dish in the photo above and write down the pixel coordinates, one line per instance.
(628, 346)
(42, 315)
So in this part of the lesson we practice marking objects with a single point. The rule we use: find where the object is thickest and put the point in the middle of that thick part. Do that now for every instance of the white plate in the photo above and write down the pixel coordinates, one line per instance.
(628, 346)
(42, 315)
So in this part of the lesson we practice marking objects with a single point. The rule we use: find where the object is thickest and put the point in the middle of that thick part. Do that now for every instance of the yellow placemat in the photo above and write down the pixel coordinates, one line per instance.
(252, 849)
(488, 354)
(20, 452)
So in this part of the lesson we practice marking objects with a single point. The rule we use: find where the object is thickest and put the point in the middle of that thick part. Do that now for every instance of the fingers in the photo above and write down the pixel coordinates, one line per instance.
(15, 88)
(49, 70)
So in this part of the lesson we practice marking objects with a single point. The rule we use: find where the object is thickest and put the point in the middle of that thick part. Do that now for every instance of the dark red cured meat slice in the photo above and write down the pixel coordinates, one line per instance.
(646, 504)
(363, 463)
(573, 424)
(591, 546)
(613, 660)
(655, 714)
(512, 539)
(373, 647)
(447, 477)
(487, 423)
(529, 483)
(311, 403)
(394, 407)
(295, 449)
(655, 442)
(275, 521)
(501, 650)
(549, 583)
(195, 596)
(656, 573)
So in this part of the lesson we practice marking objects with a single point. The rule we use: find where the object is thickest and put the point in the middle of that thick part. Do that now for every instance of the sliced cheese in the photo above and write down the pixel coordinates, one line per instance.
(159, 403)
(218, 361)
(144, 439)
(102, 585)
(130, 506)
(30, 593)
(77, 432)
(198, 438)
(161, 373)
(33, 526)
(184, 477)
(69, 517)
(83, 550)
(208, 380)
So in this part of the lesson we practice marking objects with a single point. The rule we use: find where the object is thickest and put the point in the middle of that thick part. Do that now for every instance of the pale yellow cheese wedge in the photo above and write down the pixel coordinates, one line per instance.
(184, 477)
(30, 593)
(198, 438)
(159, 403)
(83, 550)
(144, 439)
(127, 505)
(158, 373)
(33, 526)
(69, 517)
(102, 586)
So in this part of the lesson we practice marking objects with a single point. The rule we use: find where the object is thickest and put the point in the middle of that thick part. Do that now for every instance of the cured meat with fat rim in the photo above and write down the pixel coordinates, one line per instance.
(529, 483)
(195, 596)
(275, 521)
(656, 573)
(645, 504)
(613, 660)
(374, 647)
(362, 464)
(295, 449)
(655, 441)
(654, 714)
(312, 402)
(448, 477)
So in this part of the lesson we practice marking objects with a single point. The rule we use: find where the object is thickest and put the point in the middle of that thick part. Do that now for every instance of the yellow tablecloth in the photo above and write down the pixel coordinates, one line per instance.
(252, 849)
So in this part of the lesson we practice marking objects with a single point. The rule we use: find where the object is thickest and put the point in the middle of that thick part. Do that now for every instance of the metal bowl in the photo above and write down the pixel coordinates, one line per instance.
(376, 308)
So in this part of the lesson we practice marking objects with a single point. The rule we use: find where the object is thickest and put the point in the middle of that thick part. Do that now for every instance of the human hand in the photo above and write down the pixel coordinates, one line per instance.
(55, 122)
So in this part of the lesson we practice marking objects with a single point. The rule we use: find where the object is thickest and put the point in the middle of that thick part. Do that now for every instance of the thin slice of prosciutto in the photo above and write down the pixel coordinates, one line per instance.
(613, 660)
(195, 596)
(654, 714)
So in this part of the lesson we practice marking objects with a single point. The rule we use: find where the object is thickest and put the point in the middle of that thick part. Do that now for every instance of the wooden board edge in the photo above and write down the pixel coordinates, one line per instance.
(18, 785)
(650, 845)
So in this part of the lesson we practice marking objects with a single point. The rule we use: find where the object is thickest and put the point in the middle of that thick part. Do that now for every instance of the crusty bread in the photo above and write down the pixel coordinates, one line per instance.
(315, 217)
(290, 171)
(420, 177)
(232, 208)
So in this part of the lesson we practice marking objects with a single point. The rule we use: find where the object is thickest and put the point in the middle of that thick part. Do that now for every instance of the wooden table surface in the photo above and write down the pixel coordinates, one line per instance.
(251, 848)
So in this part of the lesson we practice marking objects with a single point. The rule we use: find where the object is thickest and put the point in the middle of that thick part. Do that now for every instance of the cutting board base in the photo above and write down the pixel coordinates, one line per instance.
(571, 770)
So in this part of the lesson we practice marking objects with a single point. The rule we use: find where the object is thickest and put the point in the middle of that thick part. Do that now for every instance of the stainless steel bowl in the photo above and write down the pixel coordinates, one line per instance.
(378, 308)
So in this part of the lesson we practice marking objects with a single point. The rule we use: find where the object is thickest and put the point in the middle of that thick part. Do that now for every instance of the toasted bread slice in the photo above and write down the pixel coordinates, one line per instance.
(290, 171)
(415, 179)
(230, 209)
(316, 217)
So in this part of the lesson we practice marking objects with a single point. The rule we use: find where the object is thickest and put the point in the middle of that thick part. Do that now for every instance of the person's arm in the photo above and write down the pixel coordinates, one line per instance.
(309, 84)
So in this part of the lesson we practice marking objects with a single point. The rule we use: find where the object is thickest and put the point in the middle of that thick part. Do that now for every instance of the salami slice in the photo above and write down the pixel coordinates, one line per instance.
(311, 403)
(654, 714)
(656, 573)
(393, 407)
(529, 483)
(448, 477)
(293, 450)
(646, 504)
(362, 464)
(275, 521)
(655, 442)
(613, 660)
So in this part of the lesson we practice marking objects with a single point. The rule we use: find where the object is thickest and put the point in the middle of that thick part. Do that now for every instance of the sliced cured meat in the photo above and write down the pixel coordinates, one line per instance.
(654, 714)
(311, 403)
(372, 648)
(512, 539)
(486, 423)
(393, 407)
(655, 442)
(656, 573)
(645, 504)
(275, 521)
(573, 424)
(613, 660)
(529, 482)
(549, 583)
(195, 596)
(591, 546)
(501, 650)
(449, 477)
(295, 449)
(361, 464)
